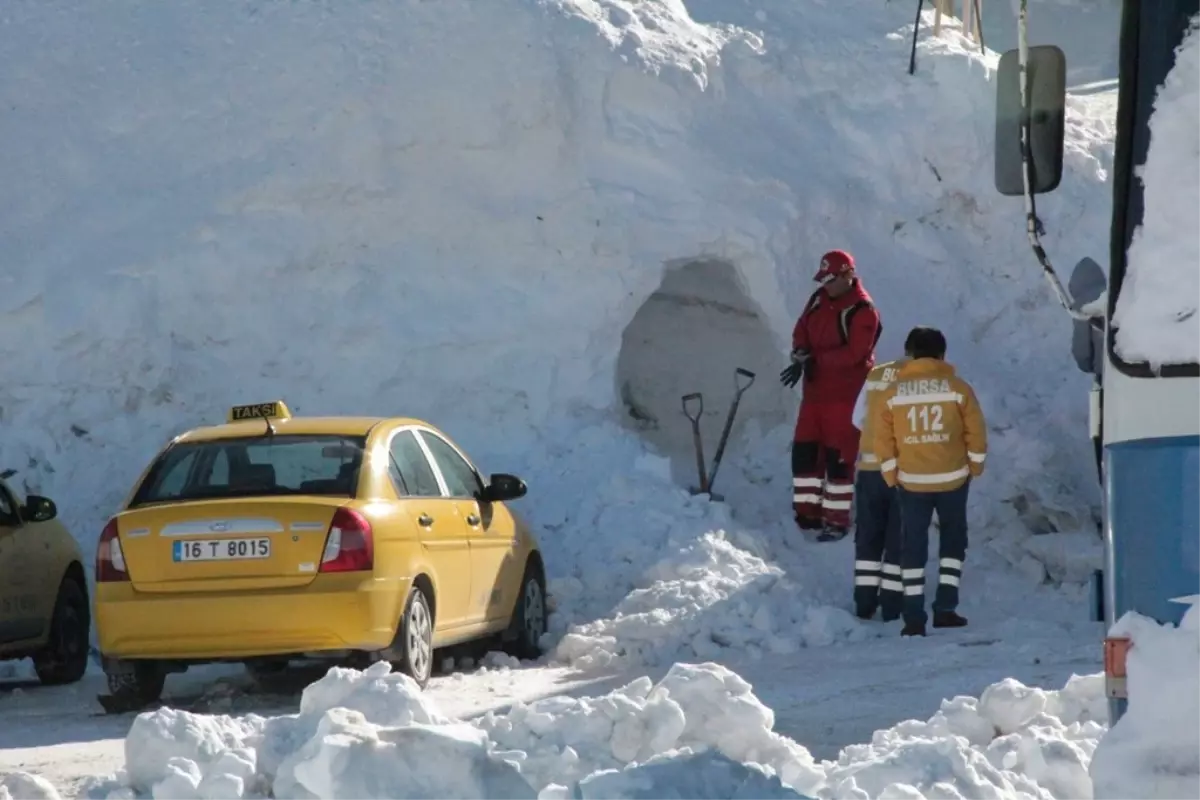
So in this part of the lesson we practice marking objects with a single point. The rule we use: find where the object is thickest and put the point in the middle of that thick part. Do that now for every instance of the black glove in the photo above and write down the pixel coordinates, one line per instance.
(791, 374)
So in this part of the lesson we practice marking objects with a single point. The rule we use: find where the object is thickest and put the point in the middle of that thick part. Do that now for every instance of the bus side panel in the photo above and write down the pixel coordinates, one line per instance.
(1153, 494)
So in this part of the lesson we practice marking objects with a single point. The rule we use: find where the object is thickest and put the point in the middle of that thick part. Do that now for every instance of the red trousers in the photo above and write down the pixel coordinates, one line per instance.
(824, 451)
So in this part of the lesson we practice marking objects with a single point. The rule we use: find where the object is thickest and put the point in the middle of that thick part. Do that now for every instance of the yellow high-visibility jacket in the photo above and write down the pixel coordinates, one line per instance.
(931, 435)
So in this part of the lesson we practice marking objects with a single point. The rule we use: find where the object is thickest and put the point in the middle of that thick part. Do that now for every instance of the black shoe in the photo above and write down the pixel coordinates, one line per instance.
(948, 619)
(808, 523)
(832, 533)
(913, 629)
(864, 612)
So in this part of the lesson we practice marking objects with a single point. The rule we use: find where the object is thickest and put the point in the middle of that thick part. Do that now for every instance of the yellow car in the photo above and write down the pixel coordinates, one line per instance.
(44, 610)
(274, 537)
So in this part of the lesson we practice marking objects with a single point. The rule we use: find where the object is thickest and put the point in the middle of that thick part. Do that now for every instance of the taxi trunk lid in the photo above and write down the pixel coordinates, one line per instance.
(225, 545)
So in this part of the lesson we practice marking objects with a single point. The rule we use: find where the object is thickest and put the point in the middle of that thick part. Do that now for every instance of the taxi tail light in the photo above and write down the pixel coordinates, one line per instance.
(350, 544)
(110, 559)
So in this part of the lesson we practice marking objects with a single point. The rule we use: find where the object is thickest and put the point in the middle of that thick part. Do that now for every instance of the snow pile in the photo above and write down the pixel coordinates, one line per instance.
(676, 587)
(695, 707)
(1154, 749)
(357, 734)
(1014, 741)
(24, 786)
(683, 775)
(1158, 309)
(699, 732)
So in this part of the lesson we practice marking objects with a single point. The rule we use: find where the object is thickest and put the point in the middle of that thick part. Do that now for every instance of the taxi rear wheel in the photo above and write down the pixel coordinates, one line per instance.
(139, 686)
(64, 659)
(415, 639)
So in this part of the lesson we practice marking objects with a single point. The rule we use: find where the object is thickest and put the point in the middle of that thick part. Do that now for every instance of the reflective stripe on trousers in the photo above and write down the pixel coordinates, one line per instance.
(807, 490)
(838, 497)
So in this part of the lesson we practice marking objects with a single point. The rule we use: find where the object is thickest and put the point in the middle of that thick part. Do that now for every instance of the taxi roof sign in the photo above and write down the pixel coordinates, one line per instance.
(273, 410)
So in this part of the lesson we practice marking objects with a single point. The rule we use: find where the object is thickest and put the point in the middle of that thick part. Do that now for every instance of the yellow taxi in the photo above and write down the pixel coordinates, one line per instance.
(44, 610)
(273, 537)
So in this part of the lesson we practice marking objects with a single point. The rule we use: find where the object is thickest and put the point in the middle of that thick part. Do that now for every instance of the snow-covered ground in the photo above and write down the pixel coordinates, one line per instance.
(699, 731)
(537, 223)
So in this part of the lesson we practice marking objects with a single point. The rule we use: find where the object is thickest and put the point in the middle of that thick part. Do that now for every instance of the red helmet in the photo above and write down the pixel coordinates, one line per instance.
(834, 264)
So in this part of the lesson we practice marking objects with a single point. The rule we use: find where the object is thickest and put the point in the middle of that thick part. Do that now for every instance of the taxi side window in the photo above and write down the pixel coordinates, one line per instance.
(460, 478)
(416, 478)
(8, 508)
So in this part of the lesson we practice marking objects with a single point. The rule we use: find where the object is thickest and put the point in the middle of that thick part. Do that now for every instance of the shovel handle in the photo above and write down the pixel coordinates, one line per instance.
(687, 398)
(742, 373)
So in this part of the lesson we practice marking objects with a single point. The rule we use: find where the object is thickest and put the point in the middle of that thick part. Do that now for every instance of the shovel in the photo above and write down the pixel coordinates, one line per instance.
(739, 388)
(695, 418)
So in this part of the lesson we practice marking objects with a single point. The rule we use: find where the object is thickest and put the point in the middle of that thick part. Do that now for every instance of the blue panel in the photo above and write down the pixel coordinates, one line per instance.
(1153, 490)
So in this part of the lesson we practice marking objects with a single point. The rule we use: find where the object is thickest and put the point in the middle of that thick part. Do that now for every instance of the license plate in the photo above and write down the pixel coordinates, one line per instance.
(221, 549)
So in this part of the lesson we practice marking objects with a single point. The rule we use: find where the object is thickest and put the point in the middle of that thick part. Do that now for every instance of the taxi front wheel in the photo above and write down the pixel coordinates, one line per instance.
(414, 641)
(529, 619)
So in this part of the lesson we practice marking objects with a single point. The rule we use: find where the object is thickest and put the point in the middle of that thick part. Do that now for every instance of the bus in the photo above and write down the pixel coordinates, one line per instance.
(1148, 416)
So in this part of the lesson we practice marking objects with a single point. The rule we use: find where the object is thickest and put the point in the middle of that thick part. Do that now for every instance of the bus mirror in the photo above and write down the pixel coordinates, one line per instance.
(1088, 277)
(1047, 82)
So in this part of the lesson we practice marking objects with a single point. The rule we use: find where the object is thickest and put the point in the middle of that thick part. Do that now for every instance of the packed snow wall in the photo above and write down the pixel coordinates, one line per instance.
(458, 210)
(690, 336)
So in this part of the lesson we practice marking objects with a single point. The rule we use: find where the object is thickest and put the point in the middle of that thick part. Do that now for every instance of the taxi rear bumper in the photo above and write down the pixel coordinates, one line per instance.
(334, 613)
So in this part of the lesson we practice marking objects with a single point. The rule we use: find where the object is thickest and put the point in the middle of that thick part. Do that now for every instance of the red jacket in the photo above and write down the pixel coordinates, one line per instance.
(840, 334)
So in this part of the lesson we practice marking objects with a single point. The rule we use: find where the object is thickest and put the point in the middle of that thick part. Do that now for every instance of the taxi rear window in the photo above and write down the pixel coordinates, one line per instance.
(259, 466)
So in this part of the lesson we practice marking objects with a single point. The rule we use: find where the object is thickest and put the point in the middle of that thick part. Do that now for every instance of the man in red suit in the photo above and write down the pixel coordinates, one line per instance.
(833, 349)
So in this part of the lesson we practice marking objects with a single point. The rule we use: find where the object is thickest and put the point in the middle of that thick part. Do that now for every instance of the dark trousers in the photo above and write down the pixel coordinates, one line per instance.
(916, 515)
(877, 546)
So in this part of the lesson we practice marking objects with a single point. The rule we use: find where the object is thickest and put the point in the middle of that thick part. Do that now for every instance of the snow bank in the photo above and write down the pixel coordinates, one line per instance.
(1158, 310)
(269, 199)
(1014, 741)
(1154, 749)
(699, 732)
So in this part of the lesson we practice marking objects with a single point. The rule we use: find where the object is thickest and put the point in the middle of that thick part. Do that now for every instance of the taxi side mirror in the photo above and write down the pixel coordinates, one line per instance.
(38, 509)
(502, 486)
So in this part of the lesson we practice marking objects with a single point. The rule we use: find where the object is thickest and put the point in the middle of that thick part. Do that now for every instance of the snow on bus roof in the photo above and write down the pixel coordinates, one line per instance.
(1157, 315)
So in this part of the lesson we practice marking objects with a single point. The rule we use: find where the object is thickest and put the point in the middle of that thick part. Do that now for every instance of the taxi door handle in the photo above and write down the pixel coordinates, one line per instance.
(473, 520)
(425, 520)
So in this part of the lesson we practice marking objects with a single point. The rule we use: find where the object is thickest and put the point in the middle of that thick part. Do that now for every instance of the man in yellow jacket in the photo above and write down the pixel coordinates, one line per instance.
(877, 535)
(930, 441)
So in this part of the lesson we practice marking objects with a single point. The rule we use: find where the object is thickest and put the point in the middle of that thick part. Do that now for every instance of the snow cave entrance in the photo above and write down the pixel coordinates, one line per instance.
(689, 336)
